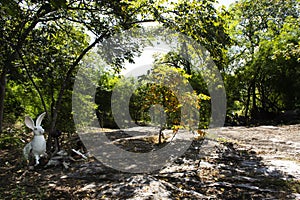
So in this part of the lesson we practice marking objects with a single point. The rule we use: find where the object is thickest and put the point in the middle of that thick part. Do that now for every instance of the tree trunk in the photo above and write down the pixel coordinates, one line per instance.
(161, 136)
(52, 128)
(254, 107)
(186, 58)
(33, 83)
(2, 96)
(248, 103)
(58, 102)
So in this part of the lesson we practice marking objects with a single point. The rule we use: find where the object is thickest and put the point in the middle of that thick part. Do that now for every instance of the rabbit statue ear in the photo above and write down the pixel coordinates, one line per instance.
(29, 122)
(40, 119)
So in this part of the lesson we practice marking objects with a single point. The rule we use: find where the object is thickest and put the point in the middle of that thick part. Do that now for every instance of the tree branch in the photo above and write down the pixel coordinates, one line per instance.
(33, 82)
(68, 76)
(26, 32)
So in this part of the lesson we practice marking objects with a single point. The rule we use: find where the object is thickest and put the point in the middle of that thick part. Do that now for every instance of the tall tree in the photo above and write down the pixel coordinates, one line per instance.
(46, 40)
(251, 24)
(20, 21)
(200, 21)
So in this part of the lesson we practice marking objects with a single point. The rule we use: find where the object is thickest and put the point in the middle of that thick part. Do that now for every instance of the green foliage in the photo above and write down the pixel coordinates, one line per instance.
(163, 94)
(15, 107)
(200, 21)
(42, 44)
(262, 77)
(10, 138)
(279, 59)
(107, 81)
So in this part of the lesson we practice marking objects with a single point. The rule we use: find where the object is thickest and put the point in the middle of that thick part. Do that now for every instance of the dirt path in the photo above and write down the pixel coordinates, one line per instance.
(239, 163)
(278, 146)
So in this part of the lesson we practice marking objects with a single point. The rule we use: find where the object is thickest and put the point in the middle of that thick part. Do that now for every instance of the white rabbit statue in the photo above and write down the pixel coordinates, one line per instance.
(38, 144)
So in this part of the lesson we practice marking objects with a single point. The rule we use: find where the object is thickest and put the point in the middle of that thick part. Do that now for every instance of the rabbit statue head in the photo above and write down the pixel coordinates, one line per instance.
(38, 144)
(37, 129)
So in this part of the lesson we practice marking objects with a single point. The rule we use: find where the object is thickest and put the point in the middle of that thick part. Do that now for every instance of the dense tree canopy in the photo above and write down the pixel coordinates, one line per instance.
(255, 45)
(46, 40)
(54, 52)
(265, 57)
(43, 43)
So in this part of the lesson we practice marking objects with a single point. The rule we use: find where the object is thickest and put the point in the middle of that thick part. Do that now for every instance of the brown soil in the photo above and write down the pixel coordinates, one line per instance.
(238, 163)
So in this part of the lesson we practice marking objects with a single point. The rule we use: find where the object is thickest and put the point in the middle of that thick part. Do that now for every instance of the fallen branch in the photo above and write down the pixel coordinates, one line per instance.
(79, 153)
(183, 191)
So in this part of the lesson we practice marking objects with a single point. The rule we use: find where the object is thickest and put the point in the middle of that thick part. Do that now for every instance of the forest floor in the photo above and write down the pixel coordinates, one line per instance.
(238, 163)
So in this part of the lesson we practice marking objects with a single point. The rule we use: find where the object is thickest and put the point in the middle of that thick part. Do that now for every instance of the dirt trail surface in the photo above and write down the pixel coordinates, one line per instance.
(278, 146)
(238, 163)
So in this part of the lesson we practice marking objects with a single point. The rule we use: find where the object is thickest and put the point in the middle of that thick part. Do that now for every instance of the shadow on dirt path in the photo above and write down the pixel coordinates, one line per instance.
(209, 169)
